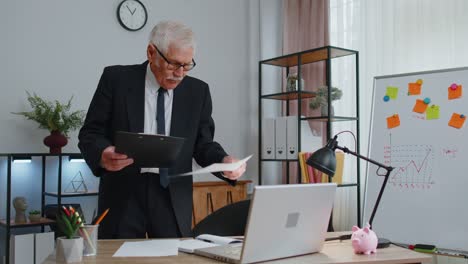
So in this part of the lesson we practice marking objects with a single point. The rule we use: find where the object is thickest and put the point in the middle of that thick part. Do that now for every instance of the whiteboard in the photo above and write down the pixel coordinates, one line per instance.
(426, 198)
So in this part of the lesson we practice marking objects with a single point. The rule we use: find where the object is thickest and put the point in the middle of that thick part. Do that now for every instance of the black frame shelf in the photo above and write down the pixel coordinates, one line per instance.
(44, 221)
(325, 53)
(322, 54)
(331, 118)
(291, 95)
(8, 225)
(66, 195)
(288, 160)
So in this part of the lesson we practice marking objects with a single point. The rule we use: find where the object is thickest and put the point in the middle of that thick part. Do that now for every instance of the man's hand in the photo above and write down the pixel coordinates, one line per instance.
(112, 161)
(233, 175)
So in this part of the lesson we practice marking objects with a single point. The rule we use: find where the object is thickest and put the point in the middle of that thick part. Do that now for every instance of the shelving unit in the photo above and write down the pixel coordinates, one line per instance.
(323, 54)
(8, 223)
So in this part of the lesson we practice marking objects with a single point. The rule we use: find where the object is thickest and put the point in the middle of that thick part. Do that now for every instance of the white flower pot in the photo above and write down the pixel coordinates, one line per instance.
(69, 250)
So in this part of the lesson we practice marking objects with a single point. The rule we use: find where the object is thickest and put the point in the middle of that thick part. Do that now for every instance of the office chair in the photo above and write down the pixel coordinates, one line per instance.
(229, 220)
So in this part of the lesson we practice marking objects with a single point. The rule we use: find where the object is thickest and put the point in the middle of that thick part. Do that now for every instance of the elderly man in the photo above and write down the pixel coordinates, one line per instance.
(155, 97)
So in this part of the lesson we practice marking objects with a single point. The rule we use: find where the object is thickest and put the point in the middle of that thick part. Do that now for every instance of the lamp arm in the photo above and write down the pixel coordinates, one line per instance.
(346, 150)
(387, 174)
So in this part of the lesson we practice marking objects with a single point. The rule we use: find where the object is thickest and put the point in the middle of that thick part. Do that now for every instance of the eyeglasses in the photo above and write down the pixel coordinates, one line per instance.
(175, 66)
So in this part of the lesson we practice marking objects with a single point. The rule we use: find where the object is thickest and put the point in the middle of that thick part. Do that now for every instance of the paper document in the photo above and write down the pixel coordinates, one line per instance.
(218, 167)
(189, 245)
(149, 248)
(205, 241)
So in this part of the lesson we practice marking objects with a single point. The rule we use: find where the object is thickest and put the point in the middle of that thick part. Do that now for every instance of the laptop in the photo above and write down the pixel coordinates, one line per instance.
(284, 221)
(149, 150)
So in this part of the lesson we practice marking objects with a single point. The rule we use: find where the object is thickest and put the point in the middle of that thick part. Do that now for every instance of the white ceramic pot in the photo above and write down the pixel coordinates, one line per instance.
(69, 250)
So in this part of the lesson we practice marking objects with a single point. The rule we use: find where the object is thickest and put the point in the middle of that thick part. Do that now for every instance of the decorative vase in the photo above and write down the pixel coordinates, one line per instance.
(55, 141)
(69, 250)
(292, 84)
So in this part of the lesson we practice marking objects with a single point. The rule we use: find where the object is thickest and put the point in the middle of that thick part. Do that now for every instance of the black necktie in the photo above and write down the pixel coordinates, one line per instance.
(161, 124)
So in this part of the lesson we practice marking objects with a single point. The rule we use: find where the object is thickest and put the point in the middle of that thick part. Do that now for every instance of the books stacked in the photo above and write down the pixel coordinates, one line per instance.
(311, 175)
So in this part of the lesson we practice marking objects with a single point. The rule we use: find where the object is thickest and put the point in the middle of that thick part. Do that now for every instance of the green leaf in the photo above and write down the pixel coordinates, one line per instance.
(68, 229)
(53, 116)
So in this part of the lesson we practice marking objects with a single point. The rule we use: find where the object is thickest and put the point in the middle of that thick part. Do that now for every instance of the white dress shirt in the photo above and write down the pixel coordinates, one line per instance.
(151, 97)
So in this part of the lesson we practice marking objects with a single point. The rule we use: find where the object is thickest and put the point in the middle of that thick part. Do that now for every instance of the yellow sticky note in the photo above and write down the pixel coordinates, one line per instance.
(392, 92)
(414, 89)
(420, 106)
(432, 112)
(457, 120)
(393, 121)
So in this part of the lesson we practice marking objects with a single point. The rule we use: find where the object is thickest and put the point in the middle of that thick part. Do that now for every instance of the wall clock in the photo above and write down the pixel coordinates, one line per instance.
(132, 15)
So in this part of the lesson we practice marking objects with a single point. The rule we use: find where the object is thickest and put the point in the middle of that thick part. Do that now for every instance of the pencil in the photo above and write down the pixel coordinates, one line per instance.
(102, 216)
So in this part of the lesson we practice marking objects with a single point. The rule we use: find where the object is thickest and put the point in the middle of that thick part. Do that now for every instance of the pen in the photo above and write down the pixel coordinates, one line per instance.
(101, 217)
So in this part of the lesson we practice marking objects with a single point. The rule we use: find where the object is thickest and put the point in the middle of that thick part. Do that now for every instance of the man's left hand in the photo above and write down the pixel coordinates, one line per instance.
(233, 175)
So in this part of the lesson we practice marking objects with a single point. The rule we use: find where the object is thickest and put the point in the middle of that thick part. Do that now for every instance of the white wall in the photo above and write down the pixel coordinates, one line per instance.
(271, 45)
(58, 49)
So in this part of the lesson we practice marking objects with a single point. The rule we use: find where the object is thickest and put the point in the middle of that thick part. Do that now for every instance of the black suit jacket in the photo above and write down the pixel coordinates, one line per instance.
(118, 105)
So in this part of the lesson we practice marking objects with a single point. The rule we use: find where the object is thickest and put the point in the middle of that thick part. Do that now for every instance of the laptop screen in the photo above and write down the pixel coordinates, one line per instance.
(284, 221)
(287, 220)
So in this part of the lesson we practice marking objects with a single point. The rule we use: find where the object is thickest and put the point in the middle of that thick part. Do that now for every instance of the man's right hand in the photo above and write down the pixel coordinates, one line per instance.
(112, 161)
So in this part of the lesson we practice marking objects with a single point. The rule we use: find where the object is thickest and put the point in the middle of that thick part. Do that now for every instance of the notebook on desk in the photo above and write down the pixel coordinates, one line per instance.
(284, 221)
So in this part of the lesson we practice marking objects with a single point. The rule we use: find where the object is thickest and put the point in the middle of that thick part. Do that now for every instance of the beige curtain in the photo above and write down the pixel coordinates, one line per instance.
(305, 27)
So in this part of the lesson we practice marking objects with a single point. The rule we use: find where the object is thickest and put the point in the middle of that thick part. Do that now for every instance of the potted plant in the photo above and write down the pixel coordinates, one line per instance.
(321, 99)
(69, 247)
(55, 117)
(35, 216)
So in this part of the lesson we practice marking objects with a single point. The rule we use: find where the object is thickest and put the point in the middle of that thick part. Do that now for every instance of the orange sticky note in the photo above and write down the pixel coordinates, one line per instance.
(457, 120)
(454, 93)
(393, 121)
(414, 88)
(420, 106)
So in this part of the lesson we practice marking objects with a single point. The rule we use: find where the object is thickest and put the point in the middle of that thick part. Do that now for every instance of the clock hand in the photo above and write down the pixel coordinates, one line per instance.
(129, 9)
(133, 11)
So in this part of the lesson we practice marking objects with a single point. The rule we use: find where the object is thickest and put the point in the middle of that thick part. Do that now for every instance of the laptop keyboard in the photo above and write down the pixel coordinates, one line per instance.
(233, 251)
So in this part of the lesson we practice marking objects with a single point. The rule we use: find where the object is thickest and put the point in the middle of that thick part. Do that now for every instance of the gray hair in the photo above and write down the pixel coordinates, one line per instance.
(166, 33)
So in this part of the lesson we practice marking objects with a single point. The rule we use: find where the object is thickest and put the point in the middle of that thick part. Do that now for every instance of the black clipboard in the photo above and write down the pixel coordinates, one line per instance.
(147, 150)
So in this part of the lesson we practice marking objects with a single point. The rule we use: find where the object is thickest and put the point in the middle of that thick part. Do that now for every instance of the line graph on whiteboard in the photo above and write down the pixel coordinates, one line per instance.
(412, 165)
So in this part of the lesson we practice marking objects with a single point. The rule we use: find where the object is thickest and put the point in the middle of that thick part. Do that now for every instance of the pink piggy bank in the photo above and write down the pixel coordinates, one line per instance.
(364, 240)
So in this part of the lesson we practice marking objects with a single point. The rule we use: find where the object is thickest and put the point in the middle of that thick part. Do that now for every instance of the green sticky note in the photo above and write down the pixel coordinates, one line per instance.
(432, 112)
(392, 92)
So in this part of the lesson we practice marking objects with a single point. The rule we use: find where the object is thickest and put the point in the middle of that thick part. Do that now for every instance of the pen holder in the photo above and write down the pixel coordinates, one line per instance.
(89, 233)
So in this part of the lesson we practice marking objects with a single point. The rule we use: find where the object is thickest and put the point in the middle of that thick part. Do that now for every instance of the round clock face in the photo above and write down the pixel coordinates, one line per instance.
(132, 15)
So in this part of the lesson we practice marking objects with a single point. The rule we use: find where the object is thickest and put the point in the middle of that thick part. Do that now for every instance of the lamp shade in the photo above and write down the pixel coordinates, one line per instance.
(323, 160)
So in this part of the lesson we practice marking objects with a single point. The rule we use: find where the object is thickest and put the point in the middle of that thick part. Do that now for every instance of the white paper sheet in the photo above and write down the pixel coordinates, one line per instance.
(218, 167)
(149, 248)
(189, 245)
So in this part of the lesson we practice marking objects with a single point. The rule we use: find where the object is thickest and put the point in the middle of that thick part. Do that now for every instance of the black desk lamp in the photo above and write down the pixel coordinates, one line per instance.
(324, 160)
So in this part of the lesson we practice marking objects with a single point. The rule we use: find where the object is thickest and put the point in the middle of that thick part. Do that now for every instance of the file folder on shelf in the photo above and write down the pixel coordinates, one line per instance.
(291, 137)
(280, 137)
(268, 138)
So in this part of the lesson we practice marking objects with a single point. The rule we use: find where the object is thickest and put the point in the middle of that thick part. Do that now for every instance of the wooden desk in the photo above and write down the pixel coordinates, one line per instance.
(333, 252)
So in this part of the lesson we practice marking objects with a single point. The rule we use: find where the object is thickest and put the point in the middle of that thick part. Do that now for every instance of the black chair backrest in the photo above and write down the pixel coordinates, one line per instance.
(229, 220)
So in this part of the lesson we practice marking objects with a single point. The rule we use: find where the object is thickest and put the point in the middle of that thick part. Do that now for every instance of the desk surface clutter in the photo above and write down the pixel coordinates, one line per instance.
(333, 252)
